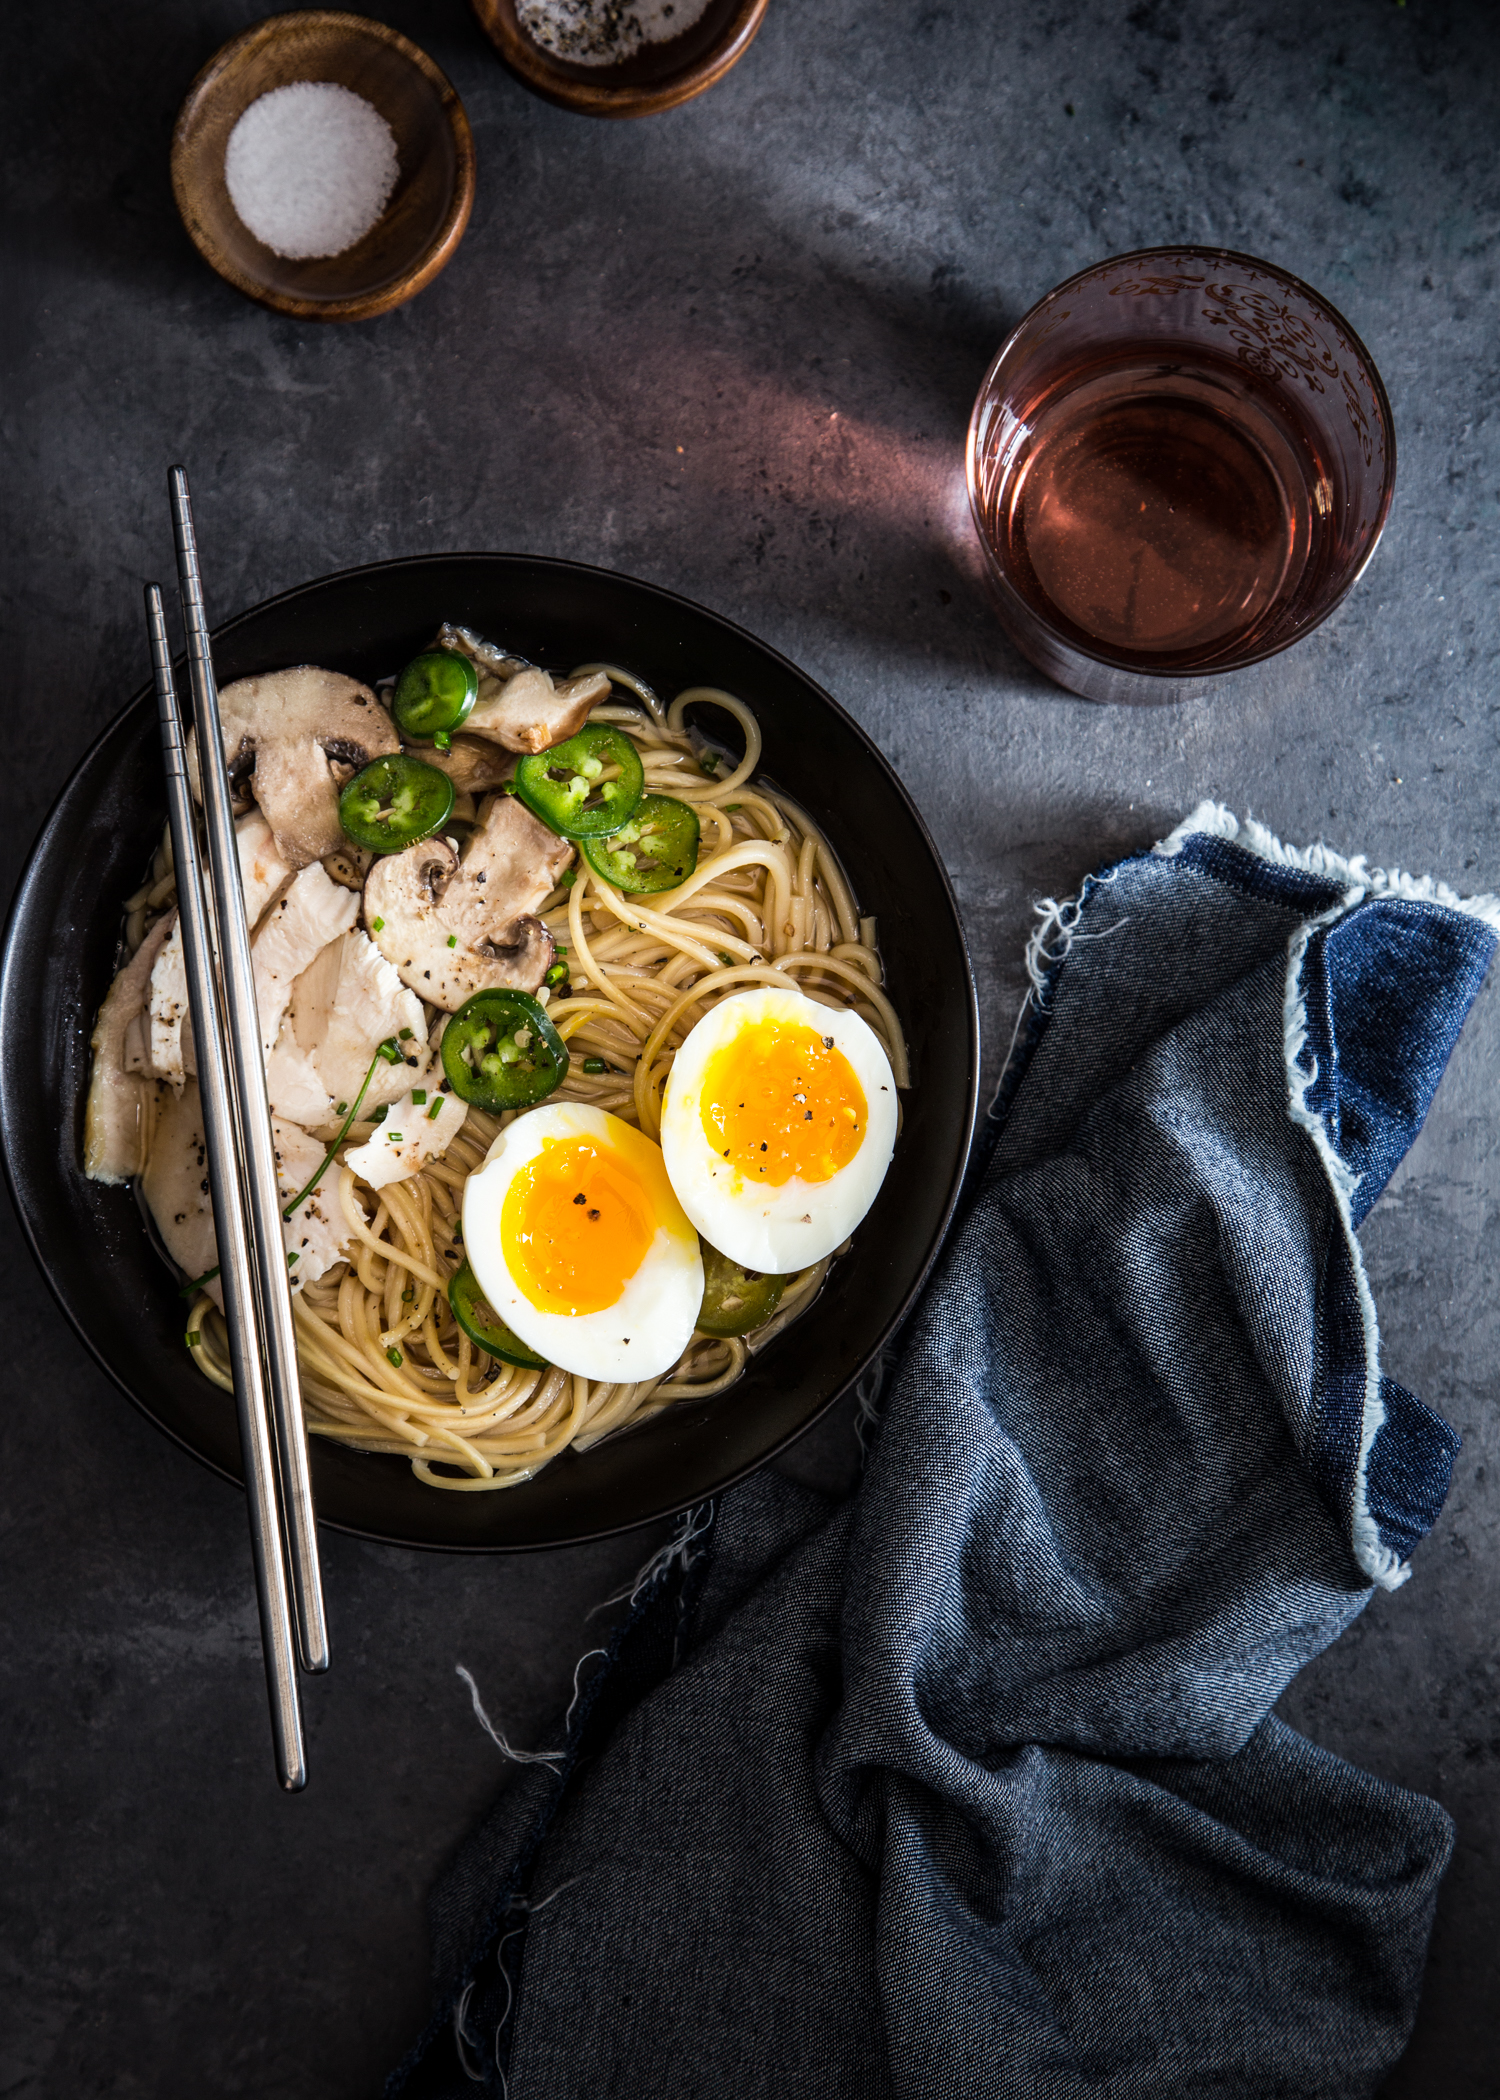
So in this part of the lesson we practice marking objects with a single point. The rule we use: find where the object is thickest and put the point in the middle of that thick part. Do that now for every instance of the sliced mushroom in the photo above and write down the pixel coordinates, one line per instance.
(294, 727)
(118, 1118)
(472, 763)
(455, 927)
(531, 713)
(519, 706)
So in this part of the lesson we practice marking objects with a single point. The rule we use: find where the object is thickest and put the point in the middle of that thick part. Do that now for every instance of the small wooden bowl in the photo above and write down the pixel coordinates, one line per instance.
(421, 225)
(657, 77)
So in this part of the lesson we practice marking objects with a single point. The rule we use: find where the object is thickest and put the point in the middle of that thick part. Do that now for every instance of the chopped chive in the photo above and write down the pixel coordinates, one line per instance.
(557, 974)
(396, 1137)
(732, 809)
(595, 1065)
(443, 741)
(419, 1095)
(291, 1258)
(192, 1337)
(436, 1109)
(394, 1356)
(339, 1110)
(726, 960)
(566, 880)
(405, 1035)
(453, 940)
(560, 948)
(389, 1051)
(377, 925)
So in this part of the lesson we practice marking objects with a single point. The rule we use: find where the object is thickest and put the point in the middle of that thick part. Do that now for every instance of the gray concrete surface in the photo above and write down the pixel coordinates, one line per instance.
(731, 349)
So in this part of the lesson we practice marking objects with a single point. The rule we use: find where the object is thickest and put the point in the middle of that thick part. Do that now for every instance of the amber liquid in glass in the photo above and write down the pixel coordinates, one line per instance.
(1157, 511)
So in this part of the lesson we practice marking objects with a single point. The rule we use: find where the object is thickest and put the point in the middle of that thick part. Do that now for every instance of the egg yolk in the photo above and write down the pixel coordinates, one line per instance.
(575, 1226)
(778, 1100)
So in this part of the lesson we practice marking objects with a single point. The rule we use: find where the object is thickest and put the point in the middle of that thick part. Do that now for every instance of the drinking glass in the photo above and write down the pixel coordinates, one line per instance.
(1179, 463)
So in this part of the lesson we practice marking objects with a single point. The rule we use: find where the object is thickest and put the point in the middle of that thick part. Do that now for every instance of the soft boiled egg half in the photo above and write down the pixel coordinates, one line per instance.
(579, 1244)
(777, 1127)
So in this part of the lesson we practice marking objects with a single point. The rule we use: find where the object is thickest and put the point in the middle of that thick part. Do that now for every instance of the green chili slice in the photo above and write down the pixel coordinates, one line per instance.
(586, 787)
(484, 1326)
(500, 1051)
(735, 1300)
(653, 850)
(394, 802)
(435, 693)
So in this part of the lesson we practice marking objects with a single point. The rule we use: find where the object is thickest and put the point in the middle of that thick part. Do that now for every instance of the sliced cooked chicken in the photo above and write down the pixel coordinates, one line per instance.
(293, 727)
(164, 1049)
(345, 1003)
(414, 1133)
(292, 1084)
(167, 1010)
(318, 1234)
(453, 927)
(176, 1188)
(117, 1123)
(311, 913)
(262, 869)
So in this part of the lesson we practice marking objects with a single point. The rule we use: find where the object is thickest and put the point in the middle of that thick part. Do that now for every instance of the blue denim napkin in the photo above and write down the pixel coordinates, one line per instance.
(970, 1785)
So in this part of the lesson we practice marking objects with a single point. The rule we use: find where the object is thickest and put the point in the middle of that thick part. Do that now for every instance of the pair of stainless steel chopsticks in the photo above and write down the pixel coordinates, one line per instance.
(241, 1164)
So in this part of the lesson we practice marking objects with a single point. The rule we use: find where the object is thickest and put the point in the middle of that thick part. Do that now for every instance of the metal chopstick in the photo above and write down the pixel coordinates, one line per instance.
(257, 1152)
(235, 1267)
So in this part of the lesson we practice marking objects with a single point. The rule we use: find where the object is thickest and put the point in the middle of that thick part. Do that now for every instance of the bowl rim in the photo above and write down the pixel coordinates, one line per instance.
(894, 1315)
(361, 306)
(535, 70)
(1208, 251)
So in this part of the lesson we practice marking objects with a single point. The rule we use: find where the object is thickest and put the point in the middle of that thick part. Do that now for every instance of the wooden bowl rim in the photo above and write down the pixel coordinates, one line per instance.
(362, 306)
(535, 69)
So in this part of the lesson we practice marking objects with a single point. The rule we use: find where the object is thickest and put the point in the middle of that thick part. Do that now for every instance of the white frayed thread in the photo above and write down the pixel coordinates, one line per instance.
(1360, 883)
(573, 1702)
(1357, 877)
(1049, 947)
(691, 1526)
(517, 1757)
(867, 1403)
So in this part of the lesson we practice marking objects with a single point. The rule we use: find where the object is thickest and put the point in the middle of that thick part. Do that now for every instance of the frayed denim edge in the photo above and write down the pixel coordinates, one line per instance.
(1361, 884)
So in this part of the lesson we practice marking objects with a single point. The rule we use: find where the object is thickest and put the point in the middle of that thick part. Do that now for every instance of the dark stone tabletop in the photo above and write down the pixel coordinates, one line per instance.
(731, 349)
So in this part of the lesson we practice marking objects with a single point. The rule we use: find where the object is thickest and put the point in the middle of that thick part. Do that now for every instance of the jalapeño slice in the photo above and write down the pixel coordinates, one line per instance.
(435, 693)
(653, 850)
(394, 802)
(735, 1300)
(586, 787)
(500, 1051)
(484, 1326)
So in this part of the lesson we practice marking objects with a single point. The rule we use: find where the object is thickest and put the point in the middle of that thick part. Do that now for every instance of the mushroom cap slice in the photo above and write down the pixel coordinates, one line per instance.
(455, 927)
(294, 727)
(529, 712)
(473, 763)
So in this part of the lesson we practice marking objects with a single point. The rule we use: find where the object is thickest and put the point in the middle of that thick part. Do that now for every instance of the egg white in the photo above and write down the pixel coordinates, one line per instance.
(645, 1331)
(775, 1230)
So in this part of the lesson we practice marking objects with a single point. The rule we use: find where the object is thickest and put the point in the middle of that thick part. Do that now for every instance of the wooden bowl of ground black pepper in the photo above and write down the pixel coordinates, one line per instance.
(650, 76)
(426, 213)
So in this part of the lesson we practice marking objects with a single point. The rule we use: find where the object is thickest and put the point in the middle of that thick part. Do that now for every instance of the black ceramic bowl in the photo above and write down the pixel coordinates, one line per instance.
(60, 952)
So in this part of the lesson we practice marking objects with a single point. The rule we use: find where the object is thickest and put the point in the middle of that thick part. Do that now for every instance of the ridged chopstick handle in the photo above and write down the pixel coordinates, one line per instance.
(216, 1095)
(246, 1058)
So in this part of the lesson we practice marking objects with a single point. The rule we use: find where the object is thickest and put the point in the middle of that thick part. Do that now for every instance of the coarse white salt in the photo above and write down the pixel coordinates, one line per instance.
(602, 32)
(310, 168)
